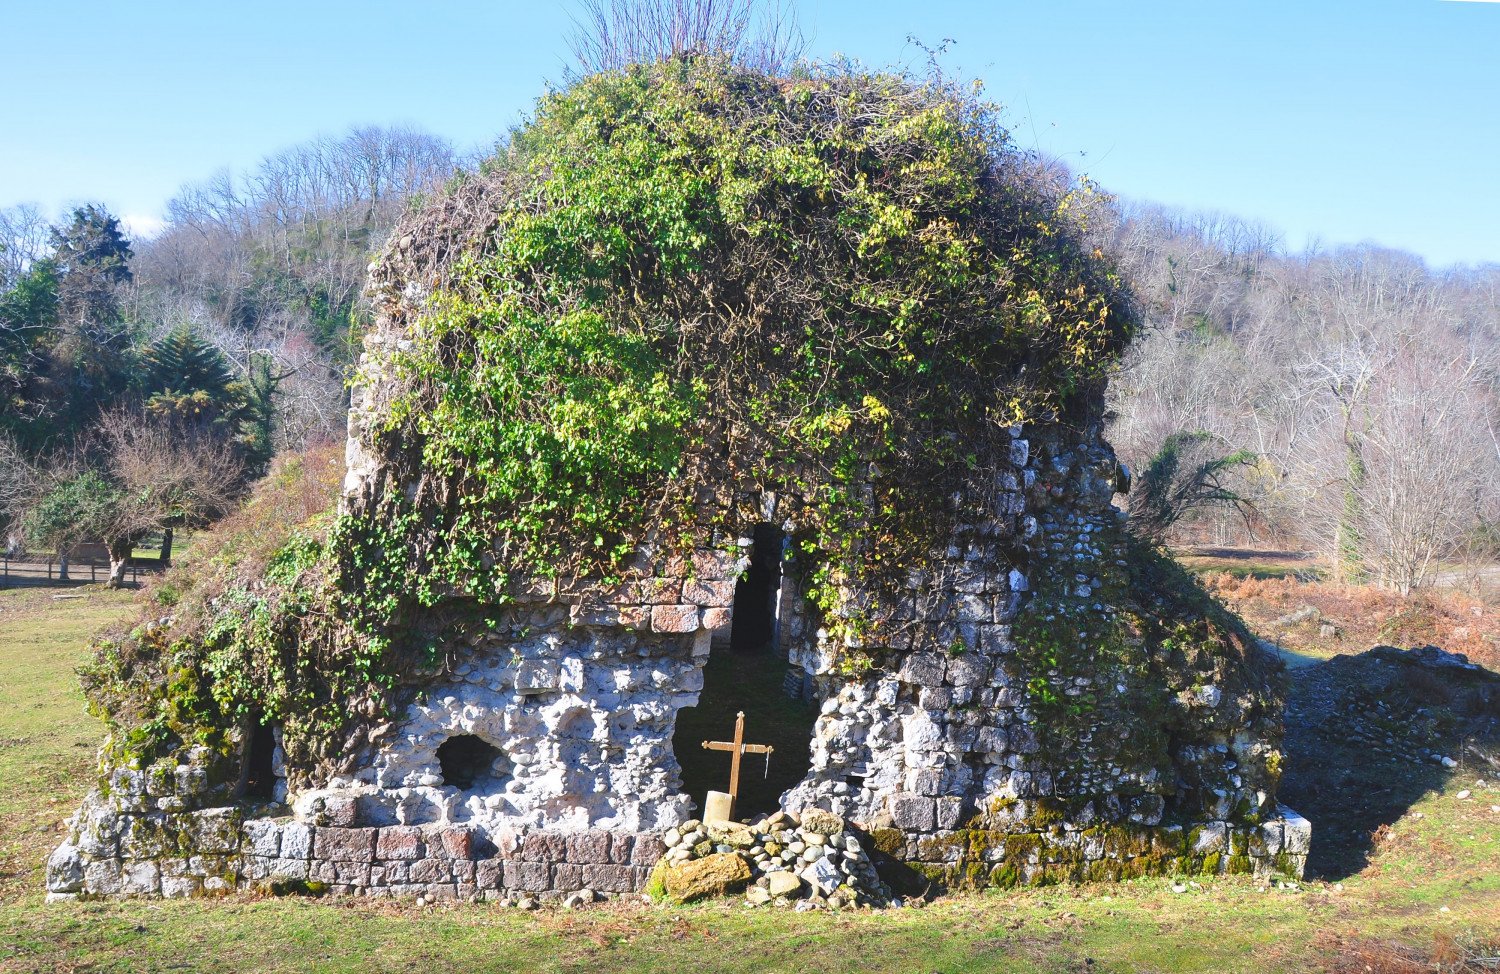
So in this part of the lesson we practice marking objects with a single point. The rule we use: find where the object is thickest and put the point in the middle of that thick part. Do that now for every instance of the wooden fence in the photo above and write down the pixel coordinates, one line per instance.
(42, 568)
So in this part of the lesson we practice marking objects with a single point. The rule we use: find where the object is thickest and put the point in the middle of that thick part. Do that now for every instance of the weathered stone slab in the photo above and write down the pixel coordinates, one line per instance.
(674, 618)
(588, 847)
(346, 845)
(399, 842)
(710, 876)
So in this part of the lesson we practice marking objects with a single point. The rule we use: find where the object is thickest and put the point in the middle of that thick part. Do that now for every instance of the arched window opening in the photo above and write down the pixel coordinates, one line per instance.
(750, 677)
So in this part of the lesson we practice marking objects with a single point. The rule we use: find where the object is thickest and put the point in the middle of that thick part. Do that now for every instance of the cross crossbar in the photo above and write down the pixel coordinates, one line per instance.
(737, 748)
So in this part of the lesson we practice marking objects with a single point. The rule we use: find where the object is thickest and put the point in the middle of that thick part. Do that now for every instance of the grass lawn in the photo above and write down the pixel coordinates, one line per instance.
(1430, 891)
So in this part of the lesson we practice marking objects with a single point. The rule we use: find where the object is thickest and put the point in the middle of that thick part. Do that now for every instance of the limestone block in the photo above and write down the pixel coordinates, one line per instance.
(920, 732)
(634, 616)
(296, 840)
(588, 847)
(1145, 809)
(608, 878)
(65, 870)
(972, 608)
(621, 846)
(255, 868)
(1296, 830)
(345, 845)
(969, 669)
(293, 869)
(1212, 837)
(457, 842)
(489, 873)
(718, 620)
(103, 877)
(949, 811)
(567, 877)
(262, 837)
(128, 789)
(913, 813)
(994, 640)
(991, 740)
(823, 875)
(543, 847)
(212, 830)
(1269, 838)
(176, 884)
(935, 698)
(708, 593)
(674, 618)
(98, 828)
(646, 850)
(1023, 739)
(923, 669)
(713, 565)
(402, 842)
(431, 871)
(536, 676)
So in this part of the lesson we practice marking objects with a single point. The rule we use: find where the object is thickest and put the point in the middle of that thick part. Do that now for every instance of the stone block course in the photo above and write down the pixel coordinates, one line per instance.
(674, 618)
(399, 842)
(346, 845)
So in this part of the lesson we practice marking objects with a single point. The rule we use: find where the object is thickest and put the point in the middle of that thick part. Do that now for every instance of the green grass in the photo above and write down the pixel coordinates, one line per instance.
(1449, 857)
(1239, 568)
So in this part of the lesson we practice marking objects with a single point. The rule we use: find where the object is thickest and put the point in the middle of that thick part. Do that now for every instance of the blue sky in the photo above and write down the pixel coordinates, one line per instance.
(1328, 120)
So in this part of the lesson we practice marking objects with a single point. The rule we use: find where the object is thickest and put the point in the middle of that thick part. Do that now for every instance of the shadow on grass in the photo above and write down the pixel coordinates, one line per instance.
(1364, 742)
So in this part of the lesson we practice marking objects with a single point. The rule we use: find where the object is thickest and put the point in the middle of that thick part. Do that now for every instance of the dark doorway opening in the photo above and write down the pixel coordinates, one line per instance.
(749, 677)
(260, 776)
(465, 759)
(757, 592)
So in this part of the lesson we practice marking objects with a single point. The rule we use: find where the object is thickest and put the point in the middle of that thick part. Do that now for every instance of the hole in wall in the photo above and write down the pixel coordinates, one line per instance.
(757, 592)
(260, 776)
(749, 676)
(465, 759)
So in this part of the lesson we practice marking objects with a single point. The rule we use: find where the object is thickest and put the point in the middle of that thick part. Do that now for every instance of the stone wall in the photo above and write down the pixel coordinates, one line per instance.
(941, 756)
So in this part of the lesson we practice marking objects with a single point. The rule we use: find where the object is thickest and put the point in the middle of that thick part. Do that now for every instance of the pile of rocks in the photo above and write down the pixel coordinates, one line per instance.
(806, 861)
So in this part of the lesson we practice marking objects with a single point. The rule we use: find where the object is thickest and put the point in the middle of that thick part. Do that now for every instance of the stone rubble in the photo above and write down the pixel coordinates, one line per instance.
(815, 859)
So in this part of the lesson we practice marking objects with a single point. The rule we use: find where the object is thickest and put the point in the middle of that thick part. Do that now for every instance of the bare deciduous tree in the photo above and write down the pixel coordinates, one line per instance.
(1365, 383)
(164, 476)
(610, 34)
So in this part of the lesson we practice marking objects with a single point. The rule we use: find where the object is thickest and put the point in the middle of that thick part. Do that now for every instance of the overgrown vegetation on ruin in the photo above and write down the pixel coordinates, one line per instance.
(679, 282)
(693, 276)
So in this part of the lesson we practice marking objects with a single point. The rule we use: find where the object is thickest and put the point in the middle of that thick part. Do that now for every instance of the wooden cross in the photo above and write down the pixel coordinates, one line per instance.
(737, 747)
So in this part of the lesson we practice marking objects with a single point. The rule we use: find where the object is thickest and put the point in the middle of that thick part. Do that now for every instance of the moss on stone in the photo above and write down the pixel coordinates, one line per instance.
(890, 841)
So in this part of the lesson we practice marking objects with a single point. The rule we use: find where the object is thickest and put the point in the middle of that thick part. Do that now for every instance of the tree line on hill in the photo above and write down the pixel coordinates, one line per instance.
(1343, 400)
(145, 383)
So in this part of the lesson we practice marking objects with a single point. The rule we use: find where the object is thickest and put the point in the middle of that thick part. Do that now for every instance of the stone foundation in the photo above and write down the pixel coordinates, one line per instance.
(122, 844)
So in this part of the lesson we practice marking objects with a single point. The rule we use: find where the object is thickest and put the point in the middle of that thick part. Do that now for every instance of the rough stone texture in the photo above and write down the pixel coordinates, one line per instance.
(696, 879)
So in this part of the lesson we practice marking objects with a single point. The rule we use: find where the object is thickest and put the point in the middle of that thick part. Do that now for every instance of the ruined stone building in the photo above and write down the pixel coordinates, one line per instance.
(1039, 700)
